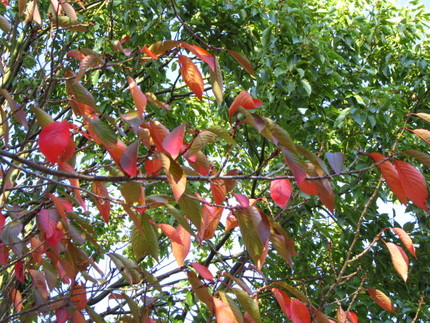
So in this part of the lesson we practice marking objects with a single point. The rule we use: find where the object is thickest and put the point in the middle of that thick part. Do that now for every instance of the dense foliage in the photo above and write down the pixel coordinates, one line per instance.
(213, 160)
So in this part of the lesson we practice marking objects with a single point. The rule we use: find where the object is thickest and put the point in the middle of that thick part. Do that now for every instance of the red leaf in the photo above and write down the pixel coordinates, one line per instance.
(244, 99)
(19, 271)
(62, 315)
(284, 301)
(138, 97)
(413, 183)
(47, 220)
(173, 142)
(406, 240)
(153, 166)
(399, 258)
(180, 251)
(242, 60)
(280, 191)
(241, 199)
(203, 271)
(2, 222)
(129, 159)
(391, 176)
(352, 317)
(103, 205)
(55, 238)
(170, 232)
(158, 133)
(116, 152)
(191, 76)
(299, 312)
(201, 53)
(381, 299)
(54, 141)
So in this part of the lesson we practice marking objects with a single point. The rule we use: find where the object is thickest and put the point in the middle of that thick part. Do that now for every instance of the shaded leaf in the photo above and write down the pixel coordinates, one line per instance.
(201, 290)
(17, 299)
(103, 205)
(203, 271)
(250, 236)
(421, 156)
(242, 60)
(129, 159)
(191, 76)
(217, 82)
(336, 161)
(79, 296)
(48, 220)
(19, 271)
(248, 304)
(381, 299)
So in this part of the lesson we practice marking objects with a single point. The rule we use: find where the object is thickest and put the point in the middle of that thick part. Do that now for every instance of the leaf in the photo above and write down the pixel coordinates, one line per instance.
(244, 99)
(202, 54)
(424, 116)
(103, 132)
(381, 299)
(201, 140)
(233, 306)
(161, 47)
(250, 236)
(283, 300)
(42, 118)
(175, 176)
(248, 304)
(203, 271)
(413, 183)
(424, 134)
(4, 25)
(173, 142)
(78, 296)
(223, 312)
(74, 182)
(242, 60)
(54, 141)
(391, 176)
(129, 159)
(336, 161)
(86, 62)
(138, 97)
(158, 133)
(280, 191)
(4, 254)
(38, 282)
(217, 82)
(243, 200)
(19, 271)
(131, 191)
(153, 166)
(48, 220)
(293, 290)
(103, 204)
(399, 258)
(352, 317)
(223, 134)
(201, 290)
(307, 86)
(16, 297)
(170, 232)
(423, 157)
(180, 251)
(406, 240)
(191, 76)
(299, 312)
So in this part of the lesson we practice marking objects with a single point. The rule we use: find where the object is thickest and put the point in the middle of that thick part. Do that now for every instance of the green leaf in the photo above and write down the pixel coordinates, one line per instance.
(103, 132)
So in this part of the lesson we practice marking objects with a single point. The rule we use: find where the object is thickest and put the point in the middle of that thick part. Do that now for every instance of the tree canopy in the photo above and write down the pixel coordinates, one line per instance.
(226, 161)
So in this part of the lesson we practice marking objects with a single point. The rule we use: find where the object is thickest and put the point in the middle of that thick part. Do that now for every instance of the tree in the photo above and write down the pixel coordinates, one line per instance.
(202, 160)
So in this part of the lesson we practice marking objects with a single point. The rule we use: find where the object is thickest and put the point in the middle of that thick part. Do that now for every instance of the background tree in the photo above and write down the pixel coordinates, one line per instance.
(202, 160)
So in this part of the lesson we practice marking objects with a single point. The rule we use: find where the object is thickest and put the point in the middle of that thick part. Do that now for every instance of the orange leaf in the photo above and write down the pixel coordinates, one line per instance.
(352, 317)
(424, 134)
(170, 232)
(173, 142)
(399, 258)
(242, 60)
(391, 176)
(180, 251)
(244, 99)
(191, 76)
(175, 176)
(103, 205)
(219, 191)
(201, 53)
(17, 299)
(79, 296)
(406, 240)
(381, 299)
(153, 166)
(413, 183)
(223, 312)
(210, 220)
(38, 283)
(138, 97)
(158, 133)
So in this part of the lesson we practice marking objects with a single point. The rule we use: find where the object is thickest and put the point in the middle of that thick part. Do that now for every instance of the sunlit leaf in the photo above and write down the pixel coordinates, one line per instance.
(129, 159)
(424, 134)
(299, 312)
(280, 191)
(244, 99)
(180, 251)
(248, 304)
(223, 312)
(103, 132)
(201, 53)
(399, 259)
(54, 140)
(200, 290)
(406, 240)
(138, 97)
(191, 76)
(173, 142)
(175, 176)
(203, 271)
(242, 60)
(102, 202)
(381, 299)
(413, 183)
(217, 82)
(283, 300)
